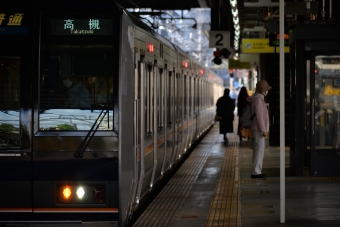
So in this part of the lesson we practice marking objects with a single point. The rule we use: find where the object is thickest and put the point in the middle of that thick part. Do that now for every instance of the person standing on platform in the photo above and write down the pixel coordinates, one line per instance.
(241, 103)
(259, 127)
(225, 108)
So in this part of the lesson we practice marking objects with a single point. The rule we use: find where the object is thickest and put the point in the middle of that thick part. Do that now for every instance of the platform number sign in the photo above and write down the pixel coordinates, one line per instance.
(219, 39)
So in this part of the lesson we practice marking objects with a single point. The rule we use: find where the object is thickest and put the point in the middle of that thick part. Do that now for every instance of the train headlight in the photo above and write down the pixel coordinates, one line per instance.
(80, 192)
(67, 192)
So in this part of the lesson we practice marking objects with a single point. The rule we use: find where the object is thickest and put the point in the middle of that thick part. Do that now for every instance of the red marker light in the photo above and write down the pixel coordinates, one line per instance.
(150, 48)
(185, 64)
(315, 71)
(99, 194)
(201, 71)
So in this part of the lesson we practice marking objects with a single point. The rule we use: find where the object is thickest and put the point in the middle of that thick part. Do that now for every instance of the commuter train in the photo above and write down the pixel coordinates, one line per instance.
(96, 109)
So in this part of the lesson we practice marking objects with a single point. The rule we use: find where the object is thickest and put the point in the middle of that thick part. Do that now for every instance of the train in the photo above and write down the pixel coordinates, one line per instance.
(96, 109)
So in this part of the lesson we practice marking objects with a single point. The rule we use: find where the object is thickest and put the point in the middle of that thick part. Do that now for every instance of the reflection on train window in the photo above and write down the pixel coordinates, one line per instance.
(9, 101)
(327, 102)
(76, 84)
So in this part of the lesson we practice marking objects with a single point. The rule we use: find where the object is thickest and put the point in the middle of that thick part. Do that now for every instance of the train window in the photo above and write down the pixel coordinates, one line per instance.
(160, 101)
(185, 96)
(169, 100)
(190, 95)
(9, 101)
(163, 95)
(195, 95)
(179, 97)
(149, 100)
(76, 87)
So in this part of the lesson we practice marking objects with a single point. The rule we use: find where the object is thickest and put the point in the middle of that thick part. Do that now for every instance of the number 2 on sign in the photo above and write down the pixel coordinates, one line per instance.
(219, 42)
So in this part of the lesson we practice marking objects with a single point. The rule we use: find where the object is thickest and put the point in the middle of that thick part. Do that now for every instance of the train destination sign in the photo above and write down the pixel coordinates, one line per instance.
(12, 24)
(91, 26)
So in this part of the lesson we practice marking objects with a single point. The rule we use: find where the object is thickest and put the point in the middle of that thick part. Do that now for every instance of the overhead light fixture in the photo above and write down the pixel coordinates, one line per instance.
(233, 3)
(234, 12)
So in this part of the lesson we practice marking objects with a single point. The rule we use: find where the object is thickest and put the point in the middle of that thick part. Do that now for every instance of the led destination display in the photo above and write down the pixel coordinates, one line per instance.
(91, 26)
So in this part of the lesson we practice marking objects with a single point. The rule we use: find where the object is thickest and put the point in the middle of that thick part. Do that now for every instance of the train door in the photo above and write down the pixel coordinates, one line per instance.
(195, 107)
(185, 114)
(163, 117)
(145, 159)
(198, 95)
(161, 129)
(323, 92)
(15, 130)
(190, 109)
(171, 116)
(138, 164)
(159, 137)
(179, 117)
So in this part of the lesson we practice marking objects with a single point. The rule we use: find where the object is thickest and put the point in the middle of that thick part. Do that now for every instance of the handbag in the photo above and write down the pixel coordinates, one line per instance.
(218, 118)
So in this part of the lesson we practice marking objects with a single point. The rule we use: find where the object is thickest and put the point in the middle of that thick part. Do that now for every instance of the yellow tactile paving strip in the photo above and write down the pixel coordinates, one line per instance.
(165, 208)
(225, 208)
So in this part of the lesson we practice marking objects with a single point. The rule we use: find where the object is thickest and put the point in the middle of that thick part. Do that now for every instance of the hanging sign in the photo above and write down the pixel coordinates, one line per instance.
(219, 39)
(259, 46)
(237, 64)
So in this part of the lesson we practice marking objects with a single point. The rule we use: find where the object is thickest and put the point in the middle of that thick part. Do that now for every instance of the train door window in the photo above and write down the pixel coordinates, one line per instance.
(205, 94)
(9, 101)
(169, 99)
(149, 101)
(185, 101)
(160, 99)
(190, 102)
(179, 96)
(196, 96)
(158, 94)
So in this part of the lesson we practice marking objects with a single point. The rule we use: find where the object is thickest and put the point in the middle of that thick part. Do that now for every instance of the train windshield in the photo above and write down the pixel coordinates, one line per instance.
(9, 101)
(76, 84)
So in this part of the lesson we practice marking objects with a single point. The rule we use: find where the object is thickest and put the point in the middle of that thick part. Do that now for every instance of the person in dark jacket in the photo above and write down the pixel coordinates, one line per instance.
(241, 103)
(225, 108)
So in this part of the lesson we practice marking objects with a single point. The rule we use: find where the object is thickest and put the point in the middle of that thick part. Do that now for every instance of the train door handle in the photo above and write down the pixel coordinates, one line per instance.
(10, 154)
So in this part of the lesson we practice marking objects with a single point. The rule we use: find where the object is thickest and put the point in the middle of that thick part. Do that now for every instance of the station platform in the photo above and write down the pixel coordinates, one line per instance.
(213, 188)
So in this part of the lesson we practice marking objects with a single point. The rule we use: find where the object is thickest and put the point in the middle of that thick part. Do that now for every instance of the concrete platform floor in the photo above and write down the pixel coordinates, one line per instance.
(213, 188)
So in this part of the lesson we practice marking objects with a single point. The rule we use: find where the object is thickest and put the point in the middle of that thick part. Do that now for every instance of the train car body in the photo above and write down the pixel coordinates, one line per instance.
(96, 108)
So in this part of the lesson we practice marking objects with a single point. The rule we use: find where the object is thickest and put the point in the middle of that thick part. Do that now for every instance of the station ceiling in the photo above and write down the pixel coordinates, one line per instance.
(248, 16)
(253, 14)
(257, 19)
